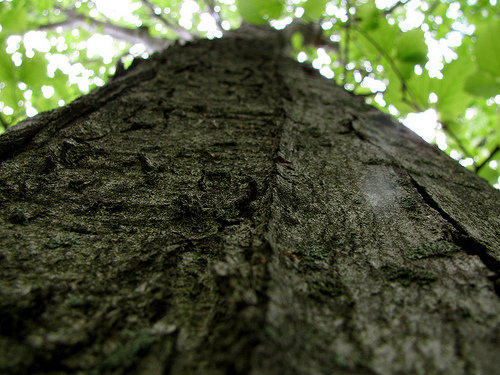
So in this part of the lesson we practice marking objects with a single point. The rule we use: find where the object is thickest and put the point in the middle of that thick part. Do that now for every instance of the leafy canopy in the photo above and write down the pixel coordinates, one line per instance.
(438, 59)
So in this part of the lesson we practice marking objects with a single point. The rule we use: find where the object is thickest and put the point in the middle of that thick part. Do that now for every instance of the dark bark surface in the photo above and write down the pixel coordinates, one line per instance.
(221, 209)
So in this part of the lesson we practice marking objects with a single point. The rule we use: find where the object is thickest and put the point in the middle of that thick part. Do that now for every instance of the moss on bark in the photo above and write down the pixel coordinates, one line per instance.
(221, 209)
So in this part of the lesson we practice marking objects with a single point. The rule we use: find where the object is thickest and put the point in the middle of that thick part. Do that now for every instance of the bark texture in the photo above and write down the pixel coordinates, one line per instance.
(221, 209)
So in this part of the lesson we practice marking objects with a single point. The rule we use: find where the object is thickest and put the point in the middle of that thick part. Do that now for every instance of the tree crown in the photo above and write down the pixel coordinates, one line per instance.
(433, 64)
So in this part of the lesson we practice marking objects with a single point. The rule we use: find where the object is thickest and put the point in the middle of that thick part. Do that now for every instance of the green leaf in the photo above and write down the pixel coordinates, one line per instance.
(411, 47)
(271, 8)
(33, 71)
(7, 68)
(482, 84)
(383, 37)
(394, 95)
(490, 174)
(43, 5)
(259, 11)
(420, 87)
(14, 21)
(249, 12)
(10, 95)
(297, 41)
(487, 49)
(369, 16)
(313, 9)
(406, 69)
(452, 98)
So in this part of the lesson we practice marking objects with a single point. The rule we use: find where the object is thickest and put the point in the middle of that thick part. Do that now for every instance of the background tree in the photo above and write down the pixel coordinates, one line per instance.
(439, 58)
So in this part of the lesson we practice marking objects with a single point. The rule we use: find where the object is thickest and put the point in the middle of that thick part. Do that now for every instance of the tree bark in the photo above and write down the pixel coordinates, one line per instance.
(222, 209)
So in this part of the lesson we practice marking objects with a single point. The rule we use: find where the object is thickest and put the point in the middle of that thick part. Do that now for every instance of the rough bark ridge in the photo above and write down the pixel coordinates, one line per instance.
(221, 209)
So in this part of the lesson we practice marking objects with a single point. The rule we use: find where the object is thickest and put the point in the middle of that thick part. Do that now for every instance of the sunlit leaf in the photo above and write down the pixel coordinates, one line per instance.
(34, 71)
(14, 21)
(7, 68)
(411, 47)
(452, 98)
(487, 49)
(369, 16)
(10, 95)
(405, 69)
(380, 40)
(395, 95)
(297, 40)
(313, 9)
(258, 11)
(483, 84)
(43, 4)
(419, 88)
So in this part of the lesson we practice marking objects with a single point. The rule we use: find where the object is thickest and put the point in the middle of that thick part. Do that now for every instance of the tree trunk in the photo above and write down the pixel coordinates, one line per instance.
(222, 209)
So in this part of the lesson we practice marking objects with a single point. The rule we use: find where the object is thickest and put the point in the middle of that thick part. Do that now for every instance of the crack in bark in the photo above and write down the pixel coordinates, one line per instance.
(463, 240)
(268, 250)
(349, 123)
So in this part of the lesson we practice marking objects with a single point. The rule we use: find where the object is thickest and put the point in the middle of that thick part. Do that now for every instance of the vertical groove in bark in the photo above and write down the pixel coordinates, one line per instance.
(220, 209)
(140, 226)
(367, 274)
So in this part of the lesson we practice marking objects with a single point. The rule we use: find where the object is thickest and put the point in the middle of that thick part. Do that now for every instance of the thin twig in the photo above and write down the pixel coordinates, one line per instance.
(181, 32)
(215, 15)
(395, 69)
(346, 53)
(394, 7)
(370, 94)
(452, 135)
(135, 35)
(345, 56)
(312, 34)
(488, 159)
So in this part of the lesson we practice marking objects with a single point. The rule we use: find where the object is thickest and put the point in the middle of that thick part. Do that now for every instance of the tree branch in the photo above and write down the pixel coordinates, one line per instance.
(394, 7)
(312, 34)
(136, 35)
(345, 56)
(452, 135)
(370, 94)
(346, 43)
(182, 33)
(215, 15)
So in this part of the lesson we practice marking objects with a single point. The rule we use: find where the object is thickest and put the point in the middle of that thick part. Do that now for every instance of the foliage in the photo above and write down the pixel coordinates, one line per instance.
(406, 57)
